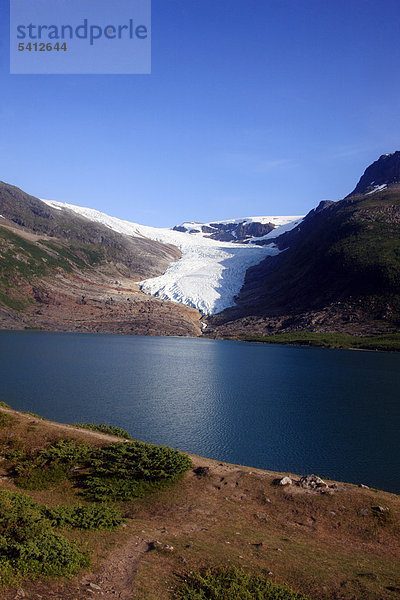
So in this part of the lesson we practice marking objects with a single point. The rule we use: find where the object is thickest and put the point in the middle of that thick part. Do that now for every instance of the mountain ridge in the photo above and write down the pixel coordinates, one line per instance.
(335, 270)
(340, 271)
(60, 271)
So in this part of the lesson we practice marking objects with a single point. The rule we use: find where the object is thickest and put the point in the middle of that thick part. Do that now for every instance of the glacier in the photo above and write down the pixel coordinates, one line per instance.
(210, 273)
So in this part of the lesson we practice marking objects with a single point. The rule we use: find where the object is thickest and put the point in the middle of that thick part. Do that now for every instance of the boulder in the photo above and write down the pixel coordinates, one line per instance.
(285, 481)
(312, 482)
(201, 471)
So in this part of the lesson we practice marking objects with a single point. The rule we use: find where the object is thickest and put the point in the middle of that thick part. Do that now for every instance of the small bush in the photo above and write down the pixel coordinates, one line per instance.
(28, 544)
(84, 517)
(117, 472)
(4, 404)
(125, 471)
(232, 584)
(108, 429)
(49, 466)
(30, 477)
(65, 452)
(6, 420)
(31, 414)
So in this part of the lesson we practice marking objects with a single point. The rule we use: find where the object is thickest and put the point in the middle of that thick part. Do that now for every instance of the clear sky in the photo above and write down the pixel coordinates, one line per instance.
(253, 107)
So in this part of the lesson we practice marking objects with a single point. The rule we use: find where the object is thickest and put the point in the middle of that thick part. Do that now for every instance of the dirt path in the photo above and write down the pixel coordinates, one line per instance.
(114, 579)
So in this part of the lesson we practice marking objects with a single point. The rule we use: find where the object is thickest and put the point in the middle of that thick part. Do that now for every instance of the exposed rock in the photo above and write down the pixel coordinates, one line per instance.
(183, 560)
(312, 482)
(364, 487)
(384, 171)
(353, 296)
(261, 517)
(285, 481)
(94, 586)
(201, 471)
(380, 509)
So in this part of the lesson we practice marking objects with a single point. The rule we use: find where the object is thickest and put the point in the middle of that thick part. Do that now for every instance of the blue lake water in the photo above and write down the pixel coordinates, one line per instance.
(335, 413)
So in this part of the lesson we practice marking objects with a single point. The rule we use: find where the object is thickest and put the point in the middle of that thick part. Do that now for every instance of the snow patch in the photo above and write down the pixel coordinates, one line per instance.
(377, 188)
(56, 205)
(278, 231)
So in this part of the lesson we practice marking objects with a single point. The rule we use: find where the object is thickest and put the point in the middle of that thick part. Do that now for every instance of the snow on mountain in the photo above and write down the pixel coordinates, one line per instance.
(279, 229)
(210, 273)
(277, 221)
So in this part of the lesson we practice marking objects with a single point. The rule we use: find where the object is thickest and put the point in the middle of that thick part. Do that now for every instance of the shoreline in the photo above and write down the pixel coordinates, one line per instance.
(275, 339)
(197, 459)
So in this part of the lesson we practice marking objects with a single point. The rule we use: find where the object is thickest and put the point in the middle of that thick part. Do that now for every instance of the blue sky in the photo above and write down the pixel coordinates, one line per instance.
(253, 107)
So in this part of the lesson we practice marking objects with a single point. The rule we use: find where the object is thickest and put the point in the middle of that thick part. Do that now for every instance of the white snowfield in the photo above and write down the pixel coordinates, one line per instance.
(209, 273)
(377, 188)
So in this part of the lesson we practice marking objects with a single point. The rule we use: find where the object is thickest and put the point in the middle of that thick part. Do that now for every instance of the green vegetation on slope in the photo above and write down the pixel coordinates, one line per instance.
(123, 471)
(30, 543)
(23, 261)
(107, 429)
(229, 583)
(83, 516)
(388, 342)
(30, 546)
(346, 255)
(117, 472)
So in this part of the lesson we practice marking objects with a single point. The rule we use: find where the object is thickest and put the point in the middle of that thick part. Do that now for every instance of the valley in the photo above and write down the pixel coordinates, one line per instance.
(336, 270)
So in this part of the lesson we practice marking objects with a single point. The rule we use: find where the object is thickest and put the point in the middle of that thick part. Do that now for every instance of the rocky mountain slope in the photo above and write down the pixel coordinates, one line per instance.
(339, 269)
(58, 270)
(248, 229)
(210, 272)
(71, 268)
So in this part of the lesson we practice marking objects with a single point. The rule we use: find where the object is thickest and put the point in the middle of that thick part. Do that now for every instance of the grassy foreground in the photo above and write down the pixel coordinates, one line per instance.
(85, 515)
(389, 342)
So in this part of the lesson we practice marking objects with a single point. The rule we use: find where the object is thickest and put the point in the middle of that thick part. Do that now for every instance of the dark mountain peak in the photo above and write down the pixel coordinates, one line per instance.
(384, 171)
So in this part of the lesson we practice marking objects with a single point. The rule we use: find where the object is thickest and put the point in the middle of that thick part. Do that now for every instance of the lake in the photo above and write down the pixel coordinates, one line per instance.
(335, 413)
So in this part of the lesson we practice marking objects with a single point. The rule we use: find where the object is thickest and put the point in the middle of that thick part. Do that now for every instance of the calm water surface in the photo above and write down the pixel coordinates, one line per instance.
(305, 410)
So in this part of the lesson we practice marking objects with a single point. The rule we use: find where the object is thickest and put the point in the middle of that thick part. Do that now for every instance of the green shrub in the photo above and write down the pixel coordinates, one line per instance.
(6, 420)
(7, 574)
(28, 544)
(15, 455)
(31, 414)
(232, 584)
(125, 471)
(85, 517)
(108, 429)
(65, 452)
(49, 466)
(4, 404)
(119, 471)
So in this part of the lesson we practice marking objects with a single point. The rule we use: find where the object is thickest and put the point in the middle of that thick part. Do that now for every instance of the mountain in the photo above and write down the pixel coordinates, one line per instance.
(383, 172)
(210, 273)
(73, 268)
(338, 270)
(59, 270)
(248, 229)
